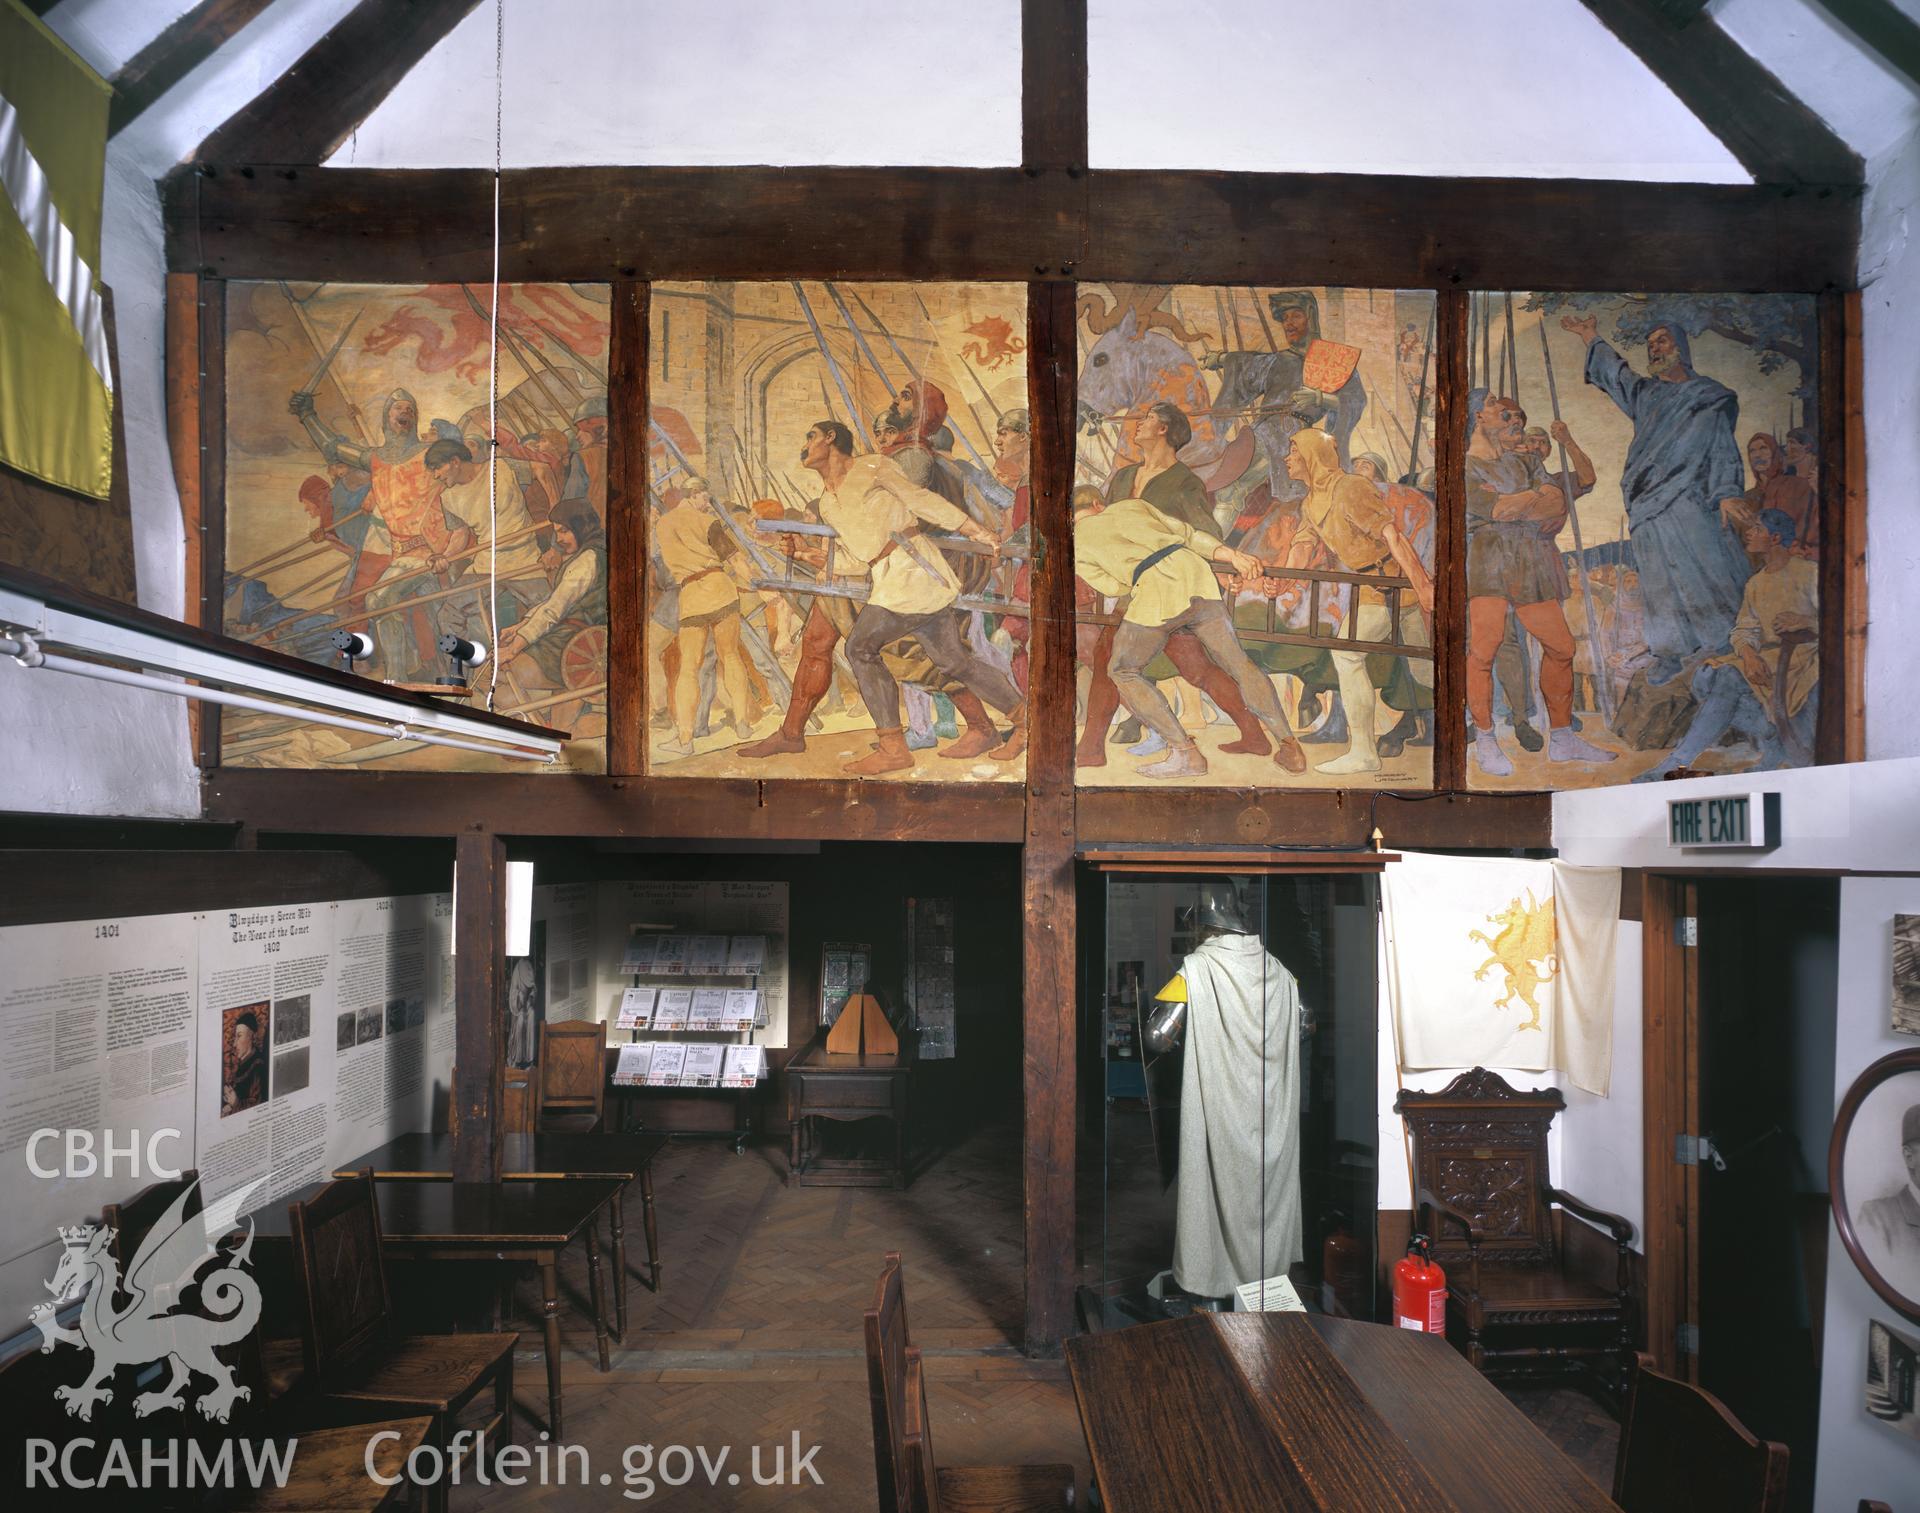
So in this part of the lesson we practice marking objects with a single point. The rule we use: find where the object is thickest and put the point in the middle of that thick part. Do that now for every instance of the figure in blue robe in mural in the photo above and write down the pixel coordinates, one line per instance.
(1683, 464)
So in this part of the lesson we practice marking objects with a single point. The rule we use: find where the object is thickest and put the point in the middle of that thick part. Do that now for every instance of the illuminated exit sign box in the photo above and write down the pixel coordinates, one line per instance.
(1725, 822)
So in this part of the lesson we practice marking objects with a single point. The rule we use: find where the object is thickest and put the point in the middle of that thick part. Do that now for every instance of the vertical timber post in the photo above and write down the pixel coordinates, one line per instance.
(479, 983)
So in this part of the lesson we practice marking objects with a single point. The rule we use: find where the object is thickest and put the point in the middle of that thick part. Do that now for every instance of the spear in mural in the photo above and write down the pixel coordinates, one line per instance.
(1266, 330)
(839, 378)
(860, 339)
(593, 369)
(518, 347)
(1420, 403)
(1602, 659)
(326, 361)
(1513, 347)
(907, 362)
(307, 556)
(967, 368)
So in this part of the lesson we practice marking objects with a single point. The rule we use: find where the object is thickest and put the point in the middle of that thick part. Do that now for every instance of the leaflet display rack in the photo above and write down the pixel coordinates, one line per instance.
(687, 988)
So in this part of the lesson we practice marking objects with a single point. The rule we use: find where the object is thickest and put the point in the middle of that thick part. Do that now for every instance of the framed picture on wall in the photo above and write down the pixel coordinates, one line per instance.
(1906, 974)
(1873, 1172)
(1893, 1379)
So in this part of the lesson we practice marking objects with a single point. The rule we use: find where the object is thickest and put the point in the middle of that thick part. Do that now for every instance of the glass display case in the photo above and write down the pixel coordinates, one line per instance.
(1230, 1089)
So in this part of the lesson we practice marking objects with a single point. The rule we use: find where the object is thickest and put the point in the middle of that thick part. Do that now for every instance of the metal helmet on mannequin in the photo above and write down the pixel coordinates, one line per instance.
(1221, 907)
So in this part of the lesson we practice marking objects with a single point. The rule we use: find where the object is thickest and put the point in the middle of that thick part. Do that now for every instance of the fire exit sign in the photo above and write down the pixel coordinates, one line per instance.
(1726, 821)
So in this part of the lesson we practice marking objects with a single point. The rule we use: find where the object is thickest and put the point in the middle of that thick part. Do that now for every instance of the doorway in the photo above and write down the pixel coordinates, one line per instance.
(1740, 1022)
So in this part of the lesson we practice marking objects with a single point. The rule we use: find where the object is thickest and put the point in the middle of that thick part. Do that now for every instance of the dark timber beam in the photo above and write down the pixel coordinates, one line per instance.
(1776, 138)
(627, 551)
(442, 803)
(1049, 1000)
(174, 54)
(313, 107)
(479, 1003)
(1885, 28)
(1377, 231)
(279, 801)
(1053, 85)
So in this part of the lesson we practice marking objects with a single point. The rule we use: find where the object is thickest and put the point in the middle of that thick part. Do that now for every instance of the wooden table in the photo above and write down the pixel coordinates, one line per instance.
(1286, 1411)
(823, 1084)
(543, 1158)
(488, 1221)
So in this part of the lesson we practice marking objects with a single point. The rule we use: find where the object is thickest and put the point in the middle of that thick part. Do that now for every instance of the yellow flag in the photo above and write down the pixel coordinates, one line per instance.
(56, 393)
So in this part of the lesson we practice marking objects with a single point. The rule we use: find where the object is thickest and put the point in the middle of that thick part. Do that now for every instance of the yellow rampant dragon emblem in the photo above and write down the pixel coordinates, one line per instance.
(1525, 938)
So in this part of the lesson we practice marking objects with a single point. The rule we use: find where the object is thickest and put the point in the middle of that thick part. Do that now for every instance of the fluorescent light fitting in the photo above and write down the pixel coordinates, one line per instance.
(519, 909)
(45, 637)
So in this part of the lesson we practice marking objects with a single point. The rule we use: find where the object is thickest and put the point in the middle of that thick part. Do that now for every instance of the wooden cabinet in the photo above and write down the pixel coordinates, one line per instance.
(826, 1085)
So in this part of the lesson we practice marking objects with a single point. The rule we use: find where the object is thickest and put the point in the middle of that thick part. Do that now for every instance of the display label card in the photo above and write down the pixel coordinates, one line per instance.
(668, 1060)
(706, 955)
(641, 951)
(709, 1009)
(1275, 1295)
(745, 1064)
(631, 1069)
(743, 1008)
(702, 1066)
(671, 1010)
(746, 955)
(670, 956)
(636, 1008)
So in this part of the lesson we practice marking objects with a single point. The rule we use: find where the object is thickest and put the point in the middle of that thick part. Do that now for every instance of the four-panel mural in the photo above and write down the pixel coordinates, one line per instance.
(1643, 536)
(838, 500)
(838, 505)
(359, 498)
(1254, 537)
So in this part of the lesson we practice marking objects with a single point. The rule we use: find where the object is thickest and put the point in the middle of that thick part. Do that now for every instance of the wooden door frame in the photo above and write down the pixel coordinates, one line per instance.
(1670, 1100)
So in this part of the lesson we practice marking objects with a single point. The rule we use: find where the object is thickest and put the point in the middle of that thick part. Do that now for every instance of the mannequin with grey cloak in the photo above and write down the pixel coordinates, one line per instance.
(1239, 1107)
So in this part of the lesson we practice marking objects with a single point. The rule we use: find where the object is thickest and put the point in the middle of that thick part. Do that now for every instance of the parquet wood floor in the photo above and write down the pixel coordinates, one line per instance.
(756, 1337)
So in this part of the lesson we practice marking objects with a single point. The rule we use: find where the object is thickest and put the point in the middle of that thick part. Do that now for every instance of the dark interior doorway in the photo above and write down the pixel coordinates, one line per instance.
(1768, 959)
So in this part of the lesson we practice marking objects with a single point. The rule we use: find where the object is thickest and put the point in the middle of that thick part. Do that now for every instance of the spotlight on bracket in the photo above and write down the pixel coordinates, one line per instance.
(353, 646)
(465, 655)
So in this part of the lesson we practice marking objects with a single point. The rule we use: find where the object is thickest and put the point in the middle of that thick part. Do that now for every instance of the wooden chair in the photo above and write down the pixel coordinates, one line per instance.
(572, 1078)
(1681, 1451)
(133, 1220)
(282, 1370)
(330, 1470)
(908, 1478)
(356, 1357)
(1519, 1292)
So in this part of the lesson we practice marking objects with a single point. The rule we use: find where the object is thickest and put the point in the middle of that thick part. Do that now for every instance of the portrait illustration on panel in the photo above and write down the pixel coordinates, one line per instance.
(1893, 1379)
(246, 1041)
(1254, 537)
(363, 494)
(1906, 974)
(837, 574)
(1643, 537)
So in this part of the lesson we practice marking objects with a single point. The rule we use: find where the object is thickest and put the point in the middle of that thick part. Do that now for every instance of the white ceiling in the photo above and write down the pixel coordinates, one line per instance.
(1471, 86)
(1860, 97)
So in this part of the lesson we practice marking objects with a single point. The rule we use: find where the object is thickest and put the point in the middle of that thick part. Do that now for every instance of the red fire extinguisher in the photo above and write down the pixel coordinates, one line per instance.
(1419, 1289)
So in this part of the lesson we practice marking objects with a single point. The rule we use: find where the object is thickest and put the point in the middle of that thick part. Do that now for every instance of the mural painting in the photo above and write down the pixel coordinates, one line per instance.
(1254, 537)
(358, 498)
(838, 524)
(1643, 537)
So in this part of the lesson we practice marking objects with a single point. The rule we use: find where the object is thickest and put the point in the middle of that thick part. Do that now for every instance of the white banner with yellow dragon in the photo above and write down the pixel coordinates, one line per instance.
(1504, 963)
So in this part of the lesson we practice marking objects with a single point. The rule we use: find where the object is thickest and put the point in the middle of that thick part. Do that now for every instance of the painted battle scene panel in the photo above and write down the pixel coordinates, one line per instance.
(358, 499)
(1666, 619)
(1254, 537)
(837, 575)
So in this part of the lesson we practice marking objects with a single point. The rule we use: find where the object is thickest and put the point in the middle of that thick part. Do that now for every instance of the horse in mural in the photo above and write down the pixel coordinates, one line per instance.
(1141, 355)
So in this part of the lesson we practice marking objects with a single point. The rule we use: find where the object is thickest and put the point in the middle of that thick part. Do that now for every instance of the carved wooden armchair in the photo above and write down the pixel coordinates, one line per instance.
(1519, 1296)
